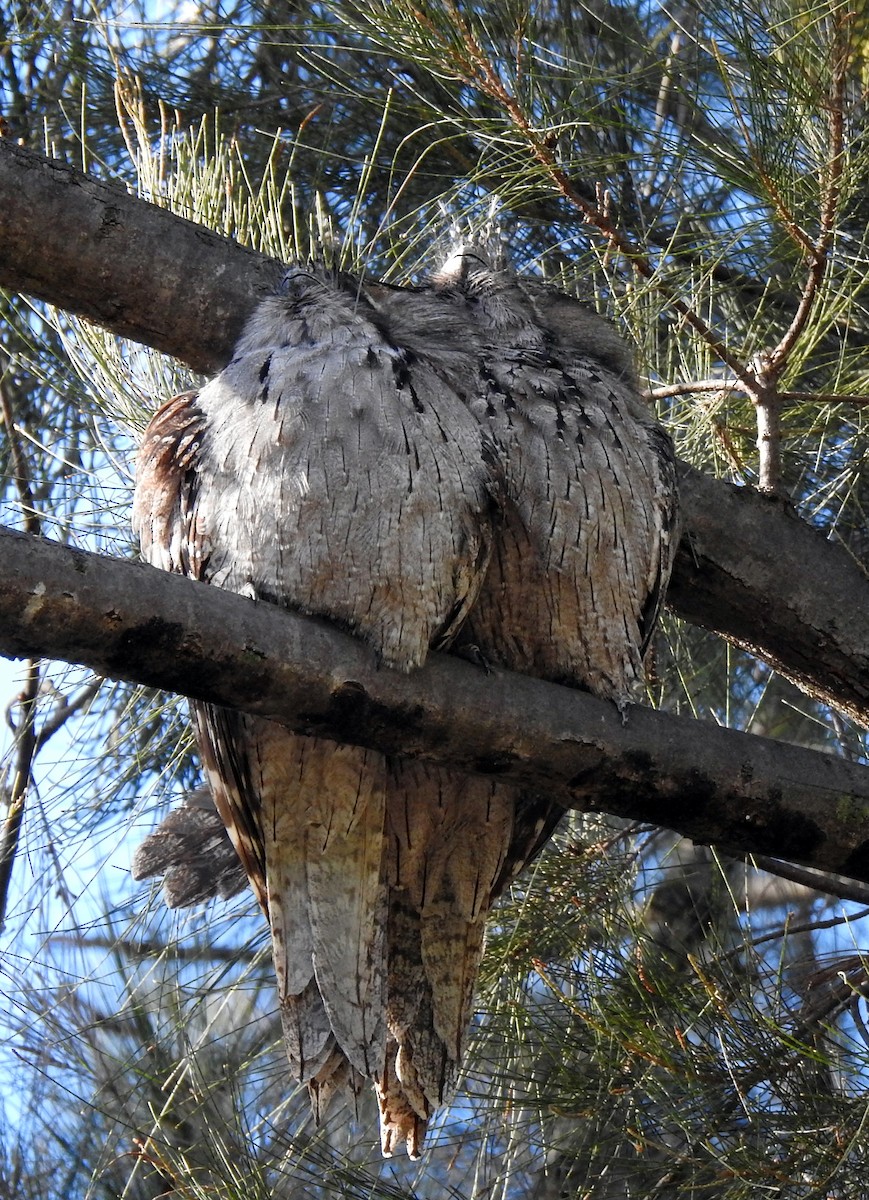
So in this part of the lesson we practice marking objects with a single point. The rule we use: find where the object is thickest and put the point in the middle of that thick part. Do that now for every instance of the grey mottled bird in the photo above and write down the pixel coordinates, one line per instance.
(467, 461)
(584, 545)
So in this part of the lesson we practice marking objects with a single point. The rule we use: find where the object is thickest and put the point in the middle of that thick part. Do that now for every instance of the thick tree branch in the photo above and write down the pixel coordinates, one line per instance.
(751, 570)
(92, 248)
(134, 622)
(747, 568)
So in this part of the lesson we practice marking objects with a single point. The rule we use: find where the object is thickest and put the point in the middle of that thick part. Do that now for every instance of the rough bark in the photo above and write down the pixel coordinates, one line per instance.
(748, 568)
(133, 622)
(92, 248)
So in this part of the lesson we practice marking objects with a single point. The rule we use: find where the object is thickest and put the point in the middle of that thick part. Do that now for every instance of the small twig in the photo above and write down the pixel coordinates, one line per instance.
(771, 363)
(66, 708)
(788, 220)
(25, 750)
(790, 930)
(843, 983)
(734, 458)
(205, 952)
(20, 471)
(25, 735)
(819, 881)
(688, 387)
(818, 253)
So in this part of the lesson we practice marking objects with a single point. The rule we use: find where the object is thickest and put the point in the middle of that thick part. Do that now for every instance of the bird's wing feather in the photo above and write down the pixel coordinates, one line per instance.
(191, 850)
(347, 893)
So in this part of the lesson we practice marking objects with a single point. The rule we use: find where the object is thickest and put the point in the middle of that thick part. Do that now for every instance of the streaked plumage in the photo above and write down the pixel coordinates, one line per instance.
(584, 546)
(362, 457)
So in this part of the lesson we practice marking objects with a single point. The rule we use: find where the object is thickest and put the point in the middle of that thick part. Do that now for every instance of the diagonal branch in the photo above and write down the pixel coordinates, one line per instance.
(817, 253)
(130, 621)
(770, 364)
(751, 570)
(90, 247)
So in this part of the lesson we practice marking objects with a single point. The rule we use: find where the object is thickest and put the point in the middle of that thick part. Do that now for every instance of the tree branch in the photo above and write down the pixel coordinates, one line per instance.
(131, 621)
(750, 569)
(91, 248)
(745, 564)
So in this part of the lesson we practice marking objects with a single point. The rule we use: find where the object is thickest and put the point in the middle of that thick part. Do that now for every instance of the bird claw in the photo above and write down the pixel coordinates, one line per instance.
(472, 653)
